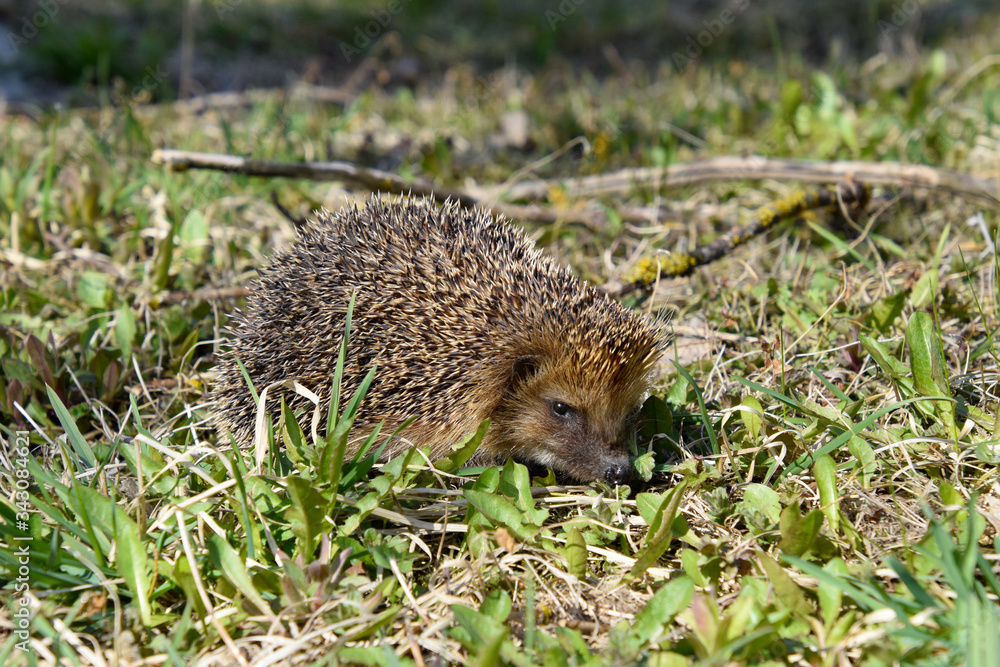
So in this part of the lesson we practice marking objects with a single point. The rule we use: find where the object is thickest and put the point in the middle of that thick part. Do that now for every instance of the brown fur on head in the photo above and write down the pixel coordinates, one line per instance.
(573, 405)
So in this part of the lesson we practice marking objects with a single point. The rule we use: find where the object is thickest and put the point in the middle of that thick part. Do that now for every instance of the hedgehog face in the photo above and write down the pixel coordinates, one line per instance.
(580, 430)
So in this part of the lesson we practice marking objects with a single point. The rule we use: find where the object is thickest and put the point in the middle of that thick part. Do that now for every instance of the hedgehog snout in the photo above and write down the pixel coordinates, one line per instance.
(618, 473)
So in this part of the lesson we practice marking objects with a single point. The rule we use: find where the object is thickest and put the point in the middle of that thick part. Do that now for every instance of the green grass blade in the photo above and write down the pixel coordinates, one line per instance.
(922, 597)
(134, 569)
(706, 420)
(76, 439)
(233, 568)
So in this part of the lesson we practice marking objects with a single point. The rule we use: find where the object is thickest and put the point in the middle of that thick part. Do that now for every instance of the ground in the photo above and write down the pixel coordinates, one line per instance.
(819, 465)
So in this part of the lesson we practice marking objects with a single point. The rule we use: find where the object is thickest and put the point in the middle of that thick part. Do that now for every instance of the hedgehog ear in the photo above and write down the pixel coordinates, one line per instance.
(524, 368)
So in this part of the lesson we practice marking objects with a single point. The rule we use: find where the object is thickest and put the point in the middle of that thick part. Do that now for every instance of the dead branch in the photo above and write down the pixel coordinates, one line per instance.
(372, 179)
(755, 167)
(383, 181)
(496, 198)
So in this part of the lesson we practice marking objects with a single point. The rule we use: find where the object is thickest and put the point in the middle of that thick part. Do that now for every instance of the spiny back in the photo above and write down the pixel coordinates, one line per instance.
(459, 312)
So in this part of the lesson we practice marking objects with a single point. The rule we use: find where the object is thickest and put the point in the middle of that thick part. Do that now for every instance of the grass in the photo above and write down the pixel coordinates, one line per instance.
(822, 483)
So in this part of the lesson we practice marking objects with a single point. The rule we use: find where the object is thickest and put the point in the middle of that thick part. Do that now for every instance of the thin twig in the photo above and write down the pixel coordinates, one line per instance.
(299, 223)
(649, 269)
(204, 294)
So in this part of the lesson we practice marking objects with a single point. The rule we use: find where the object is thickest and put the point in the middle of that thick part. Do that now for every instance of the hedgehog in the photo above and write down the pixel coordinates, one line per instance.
(465, 320)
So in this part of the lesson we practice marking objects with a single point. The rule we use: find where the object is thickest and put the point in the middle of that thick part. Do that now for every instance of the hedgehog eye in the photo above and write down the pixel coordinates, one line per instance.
(560, 409)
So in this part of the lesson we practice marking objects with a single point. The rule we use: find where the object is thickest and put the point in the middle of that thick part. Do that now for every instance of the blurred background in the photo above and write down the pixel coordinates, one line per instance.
(73, 52)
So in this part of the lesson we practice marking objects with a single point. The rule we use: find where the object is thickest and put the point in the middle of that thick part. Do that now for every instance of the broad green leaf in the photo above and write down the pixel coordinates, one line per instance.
(497, 605)
(489, 652)
(984, 632)
(690, 562)
(645, 465)
(515, 483)
(798, 532)
(865, 455)
(733, 626)
(791, 97)
(660, 610)
(926, 356)
(457, 458)
(367, 655)
(307, 513)
(94, 508)
(929, 371)
(949, 496)
(825, 413)
(785, 589)
(576, 553)
(477, 539)
(884, 357)
(501, 511)
(125, 330)
(94, 289)
(667, 659)
(479, 627)
(656, 421)
(660, 535)
(825, 472)
(161, 264)
(752, 417)
(648, 505)
(830, 597)
(16, 369)
(193, 235)
(185, 579)
(884, 312)
(763, 500)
